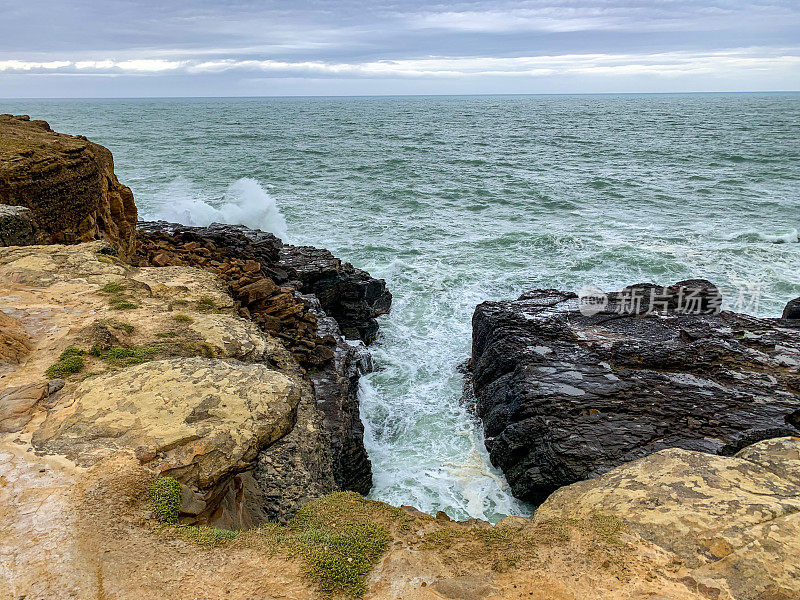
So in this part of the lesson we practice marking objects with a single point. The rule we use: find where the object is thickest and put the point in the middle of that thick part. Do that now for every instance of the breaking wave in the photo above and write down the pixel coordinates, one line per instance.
(245, 202)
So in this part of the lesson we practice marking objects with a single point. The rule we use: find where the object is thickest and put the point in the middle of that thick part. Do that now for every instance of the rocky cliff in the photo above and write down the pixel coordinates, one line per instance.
(306, 298)
(67, 183)
(565, 396)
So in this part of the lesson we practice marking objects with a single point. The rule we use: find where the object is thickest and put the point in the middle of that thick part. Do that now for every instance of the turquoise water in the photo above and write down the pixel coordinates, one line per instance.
(455, 200)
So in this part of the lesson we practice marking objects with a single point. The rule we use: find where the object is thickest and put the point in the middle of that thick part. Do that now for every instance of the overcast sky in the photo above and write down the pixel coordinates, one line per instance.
(77, 48)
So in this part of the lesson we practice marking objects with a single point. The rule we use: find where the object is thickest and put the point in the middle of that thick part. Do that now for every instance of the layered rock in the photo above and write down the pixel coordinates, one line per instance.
(67, 182)
(734, 522)
(566, 396)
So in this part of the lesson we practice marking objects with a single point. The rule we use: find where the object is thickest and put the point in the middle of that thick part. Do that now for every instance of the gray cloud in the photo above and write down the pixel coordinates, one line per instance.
(674, 44)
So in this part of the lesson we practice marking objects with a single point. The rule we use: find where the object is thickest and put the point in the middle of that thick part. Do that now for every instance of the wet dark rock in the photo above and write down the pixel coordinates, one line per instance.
(566, 396)
(792, 309)
(17, 227)
(349, 295)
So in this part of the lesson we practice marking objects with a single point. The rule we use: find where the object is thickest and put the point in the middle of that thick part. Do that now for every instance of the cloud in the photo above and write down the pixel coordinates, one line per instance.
(561, 16)
(663, 64)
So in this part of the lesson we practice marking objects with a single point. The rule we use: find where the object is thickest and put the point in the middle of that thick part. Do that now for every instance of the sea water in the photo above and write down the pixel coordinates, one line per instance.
(456, 200)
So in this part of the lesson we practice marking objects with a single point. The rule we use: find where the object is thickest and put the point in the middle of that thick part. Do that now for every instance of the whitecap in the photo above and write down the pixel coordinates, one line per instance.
(245, 202)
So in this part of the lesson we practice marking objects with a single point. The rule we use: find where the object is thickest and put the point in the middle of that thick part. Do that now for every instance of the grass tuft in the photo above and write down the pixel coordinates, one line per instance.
(119, 303)
(125, 356)
(112, 288)
(126, 327)
(70, 361)
(207, 304)
(182, 318)
(209, 537)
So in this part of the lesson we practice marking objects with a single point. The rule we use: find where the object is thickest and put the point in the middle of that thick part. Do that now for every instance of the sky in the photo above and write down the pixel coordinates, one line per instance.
(119, 48)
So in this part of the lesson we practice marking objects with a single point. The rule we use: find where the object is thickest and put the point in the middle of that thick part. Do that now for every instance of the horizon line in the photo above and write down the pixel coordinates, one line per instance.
(486, 94)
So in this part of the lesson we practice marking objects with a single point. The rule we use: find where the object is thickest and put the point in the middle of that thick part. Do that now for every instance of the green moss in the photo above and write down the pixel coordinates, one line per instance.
(112, 288)
(207, 304)
(125, 356)
(166, 334)
(606, 527)
(121, 303)
(210, 537)
(340, 559)
(126, 327)
(70, 361)
(202, 349)
(182, 318)
(337, 543)
(165, 499)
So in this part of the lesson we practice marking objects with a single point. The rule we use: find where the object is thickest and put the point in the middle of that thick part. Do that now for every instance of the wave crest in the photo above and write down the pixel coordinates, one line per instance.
(245, 203)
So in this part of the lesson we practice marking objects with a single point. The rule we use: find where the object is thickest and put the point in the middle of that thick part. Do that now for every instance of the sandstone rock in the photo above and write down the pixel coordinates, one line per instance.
(67, 182)
(16, 404)
(564, 396)
(233, 337)
(733, 520)
(15, 343)
(196, 419)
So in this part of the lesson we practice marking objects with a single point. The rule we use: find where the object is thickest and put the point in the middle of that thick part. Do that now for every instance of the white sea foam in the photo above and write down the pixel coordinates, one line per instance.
(245, 202)
(790, 237)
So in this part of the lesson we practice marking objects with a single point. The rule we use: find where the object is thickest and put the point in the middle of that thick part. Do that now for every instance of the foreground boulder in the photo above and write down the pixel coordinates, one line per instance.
(566, 396)
(734, 522)
(197, 419)
(67, 182)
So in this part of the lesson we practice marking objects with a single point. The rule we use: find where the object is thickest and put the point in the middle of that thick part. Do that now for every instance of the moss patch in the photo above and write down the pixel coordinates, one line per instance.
(207, 304)
(165, 499)
(70, 361)
(125, 357)
(209, 537)
(126, 327)
(112, 288)
(121, 303)
(182, 318)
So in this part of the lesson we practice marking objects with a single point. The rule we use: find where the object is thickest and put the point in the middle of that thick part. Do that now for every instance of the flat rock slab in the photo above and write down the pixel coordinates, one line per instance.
(197, 419)
(735, 521)
(565, 396)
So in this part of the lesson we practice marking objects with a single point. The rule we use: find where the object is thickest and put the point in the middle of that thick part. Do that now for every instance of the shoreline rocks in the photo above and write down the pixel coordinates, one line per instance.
(732, 521)
(324, 312)
(565, 396)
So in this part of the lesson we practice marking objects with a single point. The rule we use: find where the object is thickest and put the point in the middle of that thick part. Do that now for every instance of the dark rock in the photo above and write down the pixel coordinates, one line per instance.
(349, 295)
(17, 227)
(792, 309)
(566, 396)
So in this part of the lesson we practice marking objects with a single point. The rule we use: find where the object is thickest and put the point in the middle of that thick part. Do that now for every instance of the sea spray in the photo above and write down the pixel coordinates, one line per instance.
(245, 203)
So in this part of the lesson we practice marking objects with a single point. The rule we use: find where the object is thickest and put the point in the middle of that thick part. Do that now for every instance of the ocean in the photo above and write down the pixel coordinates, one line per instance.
(456, 200)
